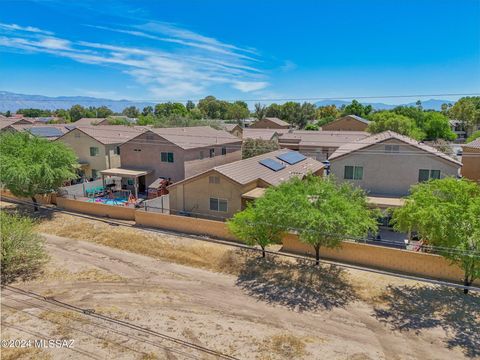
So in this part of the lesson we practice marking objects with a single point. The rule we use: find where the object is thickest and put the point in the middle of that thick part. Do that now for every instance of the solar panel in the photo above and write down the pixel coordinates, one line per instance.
(272, 164)
(46, 131)
(291, 157)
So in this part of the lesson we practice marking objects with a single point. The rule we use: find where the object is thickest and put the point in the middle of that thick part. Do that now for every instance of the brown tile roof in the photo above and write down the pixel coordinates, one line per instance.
(195, 136)
(112, 134)
(248, 170)
(277, 121)
(263, 134)
(475, 144)
(5, 122)
(88, 121)
(231, 127)
(322, 138)
(387, 135)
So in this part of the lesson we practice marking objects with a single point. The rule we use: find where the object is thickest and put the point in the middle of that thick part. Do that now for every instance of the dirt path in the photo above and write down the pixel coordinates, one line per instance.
(246, 318)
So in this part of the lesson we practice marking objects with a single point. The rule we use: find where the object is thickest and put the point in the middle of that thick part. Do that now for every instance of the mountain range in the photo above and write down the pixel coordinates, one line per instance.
(13, 101)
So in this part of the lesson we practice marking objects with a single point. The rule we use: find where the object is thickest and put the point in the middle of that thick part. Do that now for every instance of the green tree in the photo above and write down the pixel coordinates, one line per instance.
(30, 165)
(260, 111)
(34, 112)
(356, 108)
(386, 120)
(77, 112)
(212, 108)
(467, 110)
(22, 249)
(312, 127)
(437, 126)
(62, 113)
(101, 112)
(170, 109)
(274, 110)
(147, 110)
(237, 111)
(291, 112)
(190, 105)
(253, 225)
(474, 136)
(327, 112)
(321, 211)
(148, 119)
(446, 214)
(131, 112)
(254, 147)
(412, 112)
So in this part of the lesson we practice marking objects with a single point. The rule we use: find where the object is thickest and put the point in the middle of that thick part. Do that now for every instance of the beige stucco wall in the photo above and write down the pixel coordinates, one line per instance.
(96, 209)
(471, 163)
(194, 195)
(391, 174)
(105, 159)
(345, 124)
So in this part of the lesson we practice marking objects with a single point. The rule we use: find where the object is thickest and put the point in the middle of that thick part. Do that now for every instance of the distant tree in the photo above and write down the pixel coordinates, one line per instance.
(292, 112)
(260, 111)
(325, 120)
(148, 119)
(22, 249)
(115, 120)
(253, 225)
(195, 114)
(308, 113)
(147, 110)
(254, 147)
(274, 110)
(411, 112)
(356, 108)
(322, 212)
(312, 127)
(212, 108)
(170, 109)
(102, 112)
(131, 112)
(474, 136)
(237, 111)
(446, 109)
(446, 214)
(77, 112)
(327, 112)
(30, 165)
(34, 112)
(62, 113)
(8, 113)
(437, 126)
(419, 105)
(190, 105)
(467, 110)
(386, 120)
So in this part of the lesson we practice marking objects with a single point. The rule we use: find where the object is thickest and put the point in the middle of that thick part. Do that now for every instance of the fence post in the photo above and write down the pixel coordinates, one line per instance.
(145, 205)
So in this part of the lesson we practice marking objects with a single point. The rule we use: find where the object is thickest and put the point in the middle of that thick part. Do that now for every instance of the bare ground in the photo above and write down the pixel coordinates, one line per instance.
(225, 300)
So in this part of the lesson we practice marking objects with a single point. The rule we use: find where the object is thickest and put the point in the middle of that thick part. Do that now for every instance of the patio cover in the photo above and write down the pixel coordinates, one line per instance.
(126, 173)
(254, 194)
(385, 202)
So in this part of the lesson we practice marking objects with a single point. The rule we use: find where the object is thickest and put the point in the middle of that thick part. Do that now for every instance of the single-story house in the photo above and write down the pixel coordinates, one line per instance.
(234, 129)
(98, 147)
(347, 123)
(262, 134)
(318, 144)
(178, 153)
(270, 123)
(7, 122)
(222, 191)
(471, 160)
(388, 164)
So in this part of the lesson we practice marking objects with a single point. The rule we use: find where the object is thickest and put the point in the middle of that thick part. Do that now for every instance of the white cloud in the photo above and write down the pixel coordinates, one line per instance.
(31, 29)
(190, 68)
(248, 86)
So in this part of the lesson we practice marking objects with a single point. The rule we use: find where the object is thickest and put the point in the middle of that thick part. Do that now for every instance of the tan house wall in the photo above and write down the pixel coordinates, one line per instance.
(195, 165)
(194, 196)
(391, 174)
(267, 124)
(471, 164)
(346, 124)
(81, 143)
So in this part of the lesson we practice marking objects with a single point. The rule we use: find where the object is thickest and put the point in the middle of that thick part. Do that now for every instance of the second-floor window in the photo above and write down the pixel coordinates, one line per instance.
(392, 148)
(214, 179)
(94, 151)
(166, 157)
(426, 174)
(353, 173)
(212, 152)
(224, 151)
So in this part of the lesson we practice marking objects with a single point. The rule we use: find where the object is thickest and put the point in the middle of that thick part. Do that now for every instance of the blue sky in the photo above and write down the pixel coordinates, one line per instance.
(169, 50)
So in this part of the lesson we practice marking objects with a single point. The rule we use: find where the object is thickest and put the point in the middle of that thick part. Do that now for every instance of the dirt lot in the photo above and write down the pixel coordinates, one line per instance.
(226, 300)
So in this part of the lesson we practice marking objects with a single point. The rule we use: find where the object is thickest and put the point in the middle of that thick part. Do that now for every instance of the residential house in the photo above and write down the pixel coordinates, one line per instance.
(47, 131)
(98, 147)
(471, 160)
(7, 122)
(270, 123)
(347, 123)
(388, 164)
(91, 121)
(458, 127)
(234, 129)
(262, 134)
(222, 191)
(178, 153)
(318, 144)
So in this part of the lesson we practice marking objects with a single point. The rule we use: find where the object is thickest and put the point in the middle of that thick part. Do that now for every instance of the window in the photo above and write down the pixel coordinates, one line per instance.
(224, 151)
(94, 151)
(212, 153)
(353, 173)
(392, 148)
(214, 179)
(116, 151)
(425, 174)
(218, 205)
(166, 157)
(130, 182)
(94, 174)
(201, 155)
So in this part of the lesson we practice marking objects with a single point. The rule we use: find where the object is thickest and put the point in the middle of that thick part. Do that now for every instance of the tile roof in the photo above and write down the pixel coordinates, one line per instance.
(263, 134)
(231, 127)
(5, 122)
(383, 136)
(322, 138)
(112, 134)
(88, 121)
(277, 121)
(195, 136)
(247, 170)
(42, 130)
(356, 117)
(475, 144)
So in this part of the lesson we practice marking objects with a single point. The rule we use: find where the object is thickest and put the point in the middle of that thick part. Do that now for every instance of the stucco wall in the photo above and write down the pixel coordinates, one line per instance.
(267, 124)
(96, 209)
(471, 164)
(194, 165)
(194, 195)
(346, 124)
(408, 262)
(81, 143)
(391, 174)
